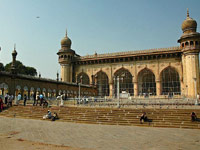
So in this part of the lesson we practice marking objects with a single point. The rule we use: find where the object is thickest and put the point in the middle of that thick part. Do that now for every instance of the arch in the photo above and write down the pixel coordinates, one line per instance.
(17, 89)
(125, 82)
(191, 43)
(146, 82)
(83, 78)
(186, 43)
(32, 91)
(38, 90)
(49, 93)
(102, 83)
(170, 81)
(25, 91)
(54, 93)
(60, 92)
(4, 89)
(44, 92)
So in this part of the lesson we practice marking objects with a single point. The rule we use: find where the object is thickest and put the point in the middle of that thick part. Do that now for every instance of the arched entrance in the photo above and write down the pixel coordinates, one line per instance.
(25, 91)
(102, 84)
(146, 83)
(83, 78)
(3, 89)
(32, 91)
(170, 82)
(124, 78)
(18, 90)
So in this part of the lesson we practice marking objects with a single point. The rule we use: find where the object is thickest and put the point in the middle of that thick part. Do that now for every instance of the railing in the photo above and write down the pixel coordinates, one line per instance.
(135, 103)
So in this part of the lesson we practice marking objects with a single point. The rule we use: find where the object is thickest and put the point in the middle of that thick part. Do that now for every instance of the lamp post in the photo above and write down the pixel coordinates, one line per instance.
(118, 87)
(79, 92)
(195, 79)
(195, 86)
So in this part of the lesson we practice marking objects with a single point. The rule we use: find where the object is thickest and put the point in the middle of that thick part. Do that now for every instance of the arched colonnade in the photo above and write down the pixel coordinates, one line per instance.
(145, 83)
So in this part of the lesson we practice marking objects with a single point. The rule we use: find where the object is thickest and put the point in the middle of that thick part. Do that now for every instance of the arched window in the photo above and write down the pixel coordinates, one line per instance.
(191, 43)
(170, 81)
(196, 43)
(146, 83)
(125, 82)
(102, 84)
(83, 78)
(186, 43)
(182, 44)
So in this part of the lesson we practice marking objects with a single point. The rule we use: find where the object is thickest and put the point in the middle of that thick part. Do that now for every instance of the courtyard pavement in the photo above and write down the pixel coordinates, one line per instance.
(100, 137)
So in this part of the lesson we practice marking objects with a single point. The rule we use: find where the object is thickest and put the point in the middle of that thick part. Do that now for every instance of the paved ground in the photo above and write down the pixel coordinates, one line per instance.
(97, 137)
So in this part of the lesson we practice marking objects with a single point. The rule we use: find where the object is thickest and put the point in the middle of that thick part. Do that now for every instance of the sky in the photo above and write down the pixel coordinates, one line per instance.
(102, 26)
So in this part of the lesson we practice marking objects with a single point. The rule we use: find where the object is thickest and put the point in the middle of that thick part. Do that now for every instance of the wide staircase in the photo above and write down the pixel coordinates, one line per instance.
(168, 118)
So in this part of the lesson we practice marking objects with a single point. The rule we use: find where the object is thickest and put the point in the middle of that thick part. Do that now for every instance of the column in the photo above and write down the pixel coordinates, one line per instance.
(135, 88)
(111, 89)
(158, 88)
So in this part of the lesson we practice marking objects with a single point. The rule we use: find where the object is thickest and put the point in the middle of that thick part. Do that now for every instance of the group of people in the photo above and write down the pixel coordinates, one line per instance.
(50, 116)
(8, 100)
(39, 99)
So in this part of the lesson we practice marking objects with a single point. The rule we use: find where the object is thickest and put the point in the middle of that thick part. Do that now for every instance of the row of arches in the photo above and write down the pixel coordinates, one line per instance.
(48, 93)
(190, 43)
(145, 84)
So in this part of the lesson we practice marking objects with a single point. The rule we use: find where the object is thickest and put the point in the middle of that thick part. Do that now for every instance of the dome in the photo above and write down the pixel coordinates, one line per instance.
(66, 42)
(189, 24)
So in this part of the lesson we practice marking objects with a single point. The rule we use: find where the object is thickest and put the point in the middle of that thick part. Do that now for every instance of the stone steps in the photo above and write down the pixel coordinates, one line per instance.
(167, 118)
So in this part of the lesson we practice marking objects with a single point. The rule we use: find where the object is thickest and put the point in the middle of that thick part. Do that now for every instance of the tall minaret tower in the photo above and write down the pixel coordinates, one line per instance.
(66, 56)
(190, 46)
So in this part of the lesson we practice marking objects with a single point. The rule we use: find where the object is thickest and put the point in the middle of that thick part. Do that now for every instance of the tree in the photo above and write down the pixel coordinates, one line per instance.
(21, 69)
(1, 67)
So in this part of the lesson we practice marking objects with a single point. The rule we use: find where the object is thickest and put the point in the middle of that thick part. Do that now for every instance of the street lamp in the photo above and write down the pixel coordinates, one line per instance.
(79, 93)
(195, 86)
(195, 79)
(118, 87)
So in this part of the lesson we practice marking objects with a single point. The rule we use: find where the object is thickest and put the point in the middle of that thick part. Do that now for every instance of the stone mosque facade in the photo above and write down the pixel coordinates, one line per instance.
(154, 73)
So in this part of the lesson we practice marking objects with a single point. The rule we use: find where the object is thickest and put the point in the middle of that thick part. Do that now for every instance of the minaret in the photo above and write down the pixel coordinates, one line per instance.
(13, 66)
(190, 46)
(66, 57)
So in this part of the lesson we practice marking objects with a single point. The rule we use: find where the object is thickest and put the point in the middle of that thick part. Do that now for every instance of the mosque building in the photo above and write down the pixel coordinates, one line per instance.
(155, 73)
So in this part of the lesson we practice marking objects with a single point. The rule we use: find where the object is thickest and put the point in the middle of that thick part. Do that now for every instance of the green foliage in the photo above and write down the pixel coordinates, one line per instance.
(1, 67)
(21, 69)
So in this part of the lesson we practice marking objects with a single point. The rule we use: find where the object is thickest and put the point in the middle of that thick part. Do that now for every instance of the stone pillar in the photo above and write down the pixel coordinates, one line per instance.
(135, 88)
(111, 89)
(158, 88)
(29, 95)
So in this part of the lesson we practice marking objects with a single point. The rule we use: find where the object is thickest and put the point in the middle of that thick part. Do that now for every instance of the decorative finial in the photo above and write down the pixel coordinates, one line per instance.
(14, 46)
(188, 13)
(66, 33)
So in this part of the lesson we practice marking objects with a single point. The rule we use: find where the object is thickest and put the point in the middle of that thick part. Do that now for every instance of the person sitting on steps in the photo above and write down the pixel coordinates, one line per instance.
(143, 117)
(193, 116)
(45, 103)
(48, 115)
(54, 117)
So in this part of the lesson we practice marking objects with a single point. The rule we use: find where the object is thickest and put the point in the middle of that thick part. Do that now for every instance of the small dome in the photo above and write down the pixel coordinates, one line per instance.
(189, 24)
(66, 42)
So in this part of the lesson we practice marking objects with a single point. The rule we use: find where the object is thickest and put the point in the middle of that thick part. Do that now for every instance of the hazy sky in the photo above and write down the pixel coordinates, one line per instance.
(93, 25)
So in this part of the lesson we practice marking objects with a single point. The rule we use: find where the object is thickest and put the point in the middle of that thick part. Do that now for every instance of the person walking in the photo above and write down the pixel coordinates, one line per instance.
(19, 97)
(25, 98)
(1, 104)
(10, 99)
(6, 99)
